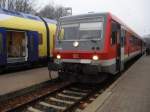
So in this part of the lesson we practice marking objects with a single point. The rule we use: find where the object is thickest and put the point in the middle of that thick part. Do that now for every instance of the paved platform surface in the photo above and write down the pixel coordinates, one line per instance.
(15, 81)
(131, 92)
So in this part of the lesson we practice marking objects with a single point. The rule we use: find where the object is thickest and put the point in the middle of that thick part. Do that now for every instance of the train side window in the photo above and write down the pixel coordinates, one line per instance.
(131, 40)
(113, 37)
(40, 38)
(115, 28)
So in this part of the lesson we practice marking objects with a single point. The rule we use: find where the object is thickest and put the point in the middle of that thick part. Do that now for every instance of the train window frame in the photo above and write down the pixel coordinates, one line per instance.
(40, 38)
(113, 37)
(81, 27)
(32, 43)
(123, 37)
(114, 32)
(1, 43)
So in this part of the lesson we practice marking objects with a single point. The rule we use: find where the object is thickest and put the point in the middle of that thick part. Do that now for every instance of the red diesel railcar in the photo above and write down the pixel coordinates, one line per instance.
(88, 46)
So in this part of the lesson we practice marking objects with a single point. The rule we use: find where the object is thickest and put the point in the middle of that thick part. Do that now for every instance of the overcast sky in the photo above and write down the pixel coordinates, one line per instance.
(134, 13)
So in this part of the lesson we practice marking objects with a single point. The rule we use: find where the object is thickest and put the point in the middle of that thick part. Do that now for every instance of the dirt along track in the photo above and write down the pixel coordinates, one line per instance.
(23, 99)
(61, 100)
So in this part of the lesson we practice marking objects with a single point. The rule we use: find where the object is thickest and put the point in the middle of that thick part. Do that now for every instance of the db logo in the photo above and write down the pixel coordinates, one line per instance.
(76, 56)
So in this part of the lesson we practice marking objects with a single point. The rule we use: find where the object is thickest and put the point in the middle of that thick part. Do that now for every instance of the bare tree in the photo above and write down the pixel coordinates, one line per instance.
(53, 12)
(2, 3)
(18, 5)
(48, 11)
(60, 12)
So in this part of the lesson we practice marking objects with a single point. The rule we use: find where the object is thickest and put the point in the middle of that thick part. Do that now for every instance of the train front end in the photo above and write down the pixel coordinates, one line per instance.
(79, 46)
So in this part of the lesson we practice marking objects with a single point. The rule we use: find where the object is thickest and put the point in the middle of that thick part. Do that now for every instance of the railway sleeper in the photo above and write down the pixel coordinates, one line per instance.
(32, 109)
(59, 102)
(52, 106)
(62, 101)
(80, 90)
(74, 92)
(71, 97)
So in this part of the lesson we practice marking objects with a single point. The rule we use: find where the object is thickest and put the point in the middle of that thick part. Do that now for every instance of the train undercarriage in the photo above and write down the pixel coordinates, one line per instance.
(80, 73)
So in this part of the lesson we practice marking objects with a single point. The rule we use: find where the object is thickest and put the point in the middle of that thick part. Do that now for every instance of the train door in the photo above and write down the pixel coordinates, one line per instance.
(116, 42)
(3, 55)
(122, 47)
(119, 36)
(33, 41)
(118, 49)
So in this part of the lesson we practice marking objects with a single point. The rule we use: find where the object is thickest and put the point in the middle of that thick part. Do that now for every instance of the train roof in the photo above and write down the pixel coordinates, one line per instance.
(95, 15)
(25, 15)
(82, 16)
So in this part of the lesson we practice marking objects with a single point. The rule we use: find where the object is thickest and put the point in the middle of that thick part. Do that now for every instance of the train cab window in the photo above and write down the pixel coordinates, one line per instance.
(92, 30)
(40, 38)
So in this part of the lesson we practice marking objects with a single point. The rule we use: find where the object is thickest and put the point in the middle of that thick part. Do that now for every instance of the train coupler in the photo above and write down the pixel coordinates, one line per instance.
(54, 66)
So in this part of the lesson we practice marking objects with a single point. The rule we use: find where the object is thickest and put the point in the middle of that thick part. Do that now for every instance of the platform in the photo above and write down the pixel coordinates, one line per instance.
(16, 81)
(130, 93)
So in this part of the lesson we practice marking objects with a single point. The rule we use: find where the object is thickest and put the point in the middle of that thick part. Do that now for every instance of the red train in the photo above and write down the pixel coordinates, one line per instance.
(88, 46)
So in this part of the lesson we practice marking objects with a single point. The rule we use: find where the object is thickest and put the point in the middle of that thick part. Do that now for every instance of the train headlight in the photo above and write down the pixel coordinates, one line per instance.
(95, 57)
(58, 56)
(75, 44)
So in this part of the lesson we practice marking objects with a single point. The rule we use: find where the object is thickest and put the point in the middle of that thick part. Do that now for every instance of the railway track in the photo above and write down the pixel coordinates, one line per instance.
(57, 97)
(19, 101)
(64, 100)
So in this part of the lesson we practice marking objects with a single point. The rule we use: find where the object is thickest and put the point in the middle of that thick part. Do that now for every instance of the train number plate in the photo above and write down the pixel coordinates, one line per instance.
(75, 56)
